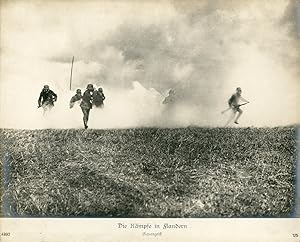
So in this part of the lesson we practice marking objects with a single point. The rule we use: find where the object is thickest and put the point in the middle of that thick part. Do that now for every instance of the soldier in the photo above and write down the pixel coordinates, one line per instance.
(169, 111)
(47, 98)
(234, 105)
(86, 103)
(170, 98)
(98, 98)
(77, 97)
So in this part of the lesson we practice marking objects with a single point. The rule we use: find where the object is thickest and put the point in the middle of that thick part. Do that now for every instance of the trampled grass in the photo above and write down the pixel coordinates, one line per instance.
(149, 172)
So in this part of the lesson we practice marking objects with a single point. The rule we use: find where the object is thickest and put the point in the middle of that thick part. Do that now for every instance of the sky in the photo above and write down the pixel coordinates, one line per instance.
(138, 50)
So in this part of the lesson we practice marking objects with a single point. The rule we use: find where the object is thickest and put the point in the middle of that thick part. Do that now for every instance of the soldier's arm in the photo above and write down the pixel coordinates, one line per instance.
(85, 96)
(72, 99)
(230, 101)
(40, 99)
(244, 100)
(72, 102)
(55, 96)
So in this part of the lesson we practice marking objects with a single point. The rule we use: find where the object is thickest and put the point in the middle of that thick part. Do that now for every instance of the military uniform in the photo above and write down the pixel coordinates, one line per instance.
(86, 105)
(234, 101)
(47, 98)
(98, 98)
(77, 97)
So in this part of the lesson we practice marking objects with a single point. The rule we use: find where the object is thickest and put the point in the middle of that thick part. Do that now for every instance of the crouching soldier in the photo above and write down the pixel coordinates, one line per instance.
(76, 98)
(98, 98)
(86, 103)
(47, 99)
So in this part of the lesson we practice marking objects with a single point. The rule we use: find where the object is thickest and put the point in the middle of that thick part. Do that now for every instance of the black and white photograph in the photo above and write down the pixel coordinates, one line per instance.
(149, 109)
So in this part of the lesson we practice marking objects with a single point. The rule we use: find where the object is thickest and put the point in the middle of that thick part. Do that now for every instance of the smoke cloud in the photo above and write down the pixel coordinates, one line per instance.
(201, 49)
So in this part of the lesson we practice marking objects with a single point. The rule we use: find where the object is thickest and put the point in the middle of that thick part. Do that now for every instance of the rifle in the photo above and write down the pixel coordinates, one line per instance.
(236, 106)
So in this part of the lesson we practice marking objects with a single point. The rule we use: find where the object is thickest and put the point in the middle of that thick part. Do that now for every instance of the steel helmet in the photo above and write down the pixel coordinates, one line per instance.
(90, 86)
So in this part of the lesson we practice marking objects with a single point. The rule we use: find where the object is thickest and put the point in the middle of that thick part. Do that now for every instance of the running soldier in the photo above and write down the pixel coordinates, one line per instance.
(98, 98)
(47, 99)
(234, 105)
(76, 98)
(86, 103)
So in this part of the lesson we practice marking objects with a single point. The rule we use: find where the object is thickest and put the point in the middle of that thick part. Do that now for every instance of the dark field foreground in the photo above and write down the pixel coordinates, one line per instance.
(150, 172)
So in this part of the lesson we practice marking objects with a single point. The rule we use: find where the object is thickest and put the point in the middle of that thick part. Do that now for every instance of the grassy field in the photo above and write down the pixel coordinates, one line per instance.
(149, 172)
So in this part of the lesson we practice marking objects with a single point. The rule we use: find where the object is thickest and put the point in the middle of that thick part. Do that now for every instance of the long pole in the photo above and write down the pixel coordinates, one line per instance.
(71, 74)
